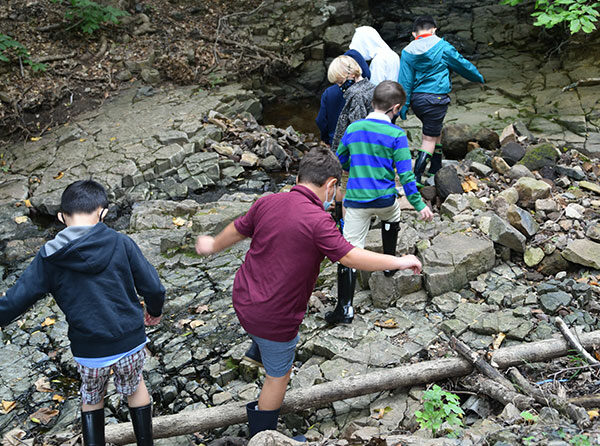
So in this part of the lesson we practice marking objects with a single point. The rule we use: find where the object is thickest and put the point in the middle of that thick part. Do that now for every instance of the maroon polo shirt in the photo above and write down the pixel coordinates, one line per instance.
(291, 235)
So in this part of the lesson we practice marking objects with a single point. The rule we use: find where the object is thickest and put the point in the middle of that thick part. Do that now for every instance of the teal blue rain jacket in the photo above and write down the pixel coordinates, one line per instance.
(425, 67)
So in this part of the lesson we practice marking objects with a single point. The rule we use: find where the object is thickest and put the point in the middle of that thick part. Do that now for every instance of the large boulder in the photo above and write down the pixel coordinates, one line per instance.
(385, 291)
(583, 252)
(455, 138)
(512, 153)
(531, 190)
(504, 234)
(447, 182)
(454, 259)
(523, 221)
(488, 139)
(539, 156)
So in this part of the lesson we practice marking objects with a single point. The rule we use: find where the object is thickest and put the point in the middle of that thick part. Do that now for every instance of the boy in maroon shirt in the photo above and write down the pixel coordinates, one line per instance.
(291, 234)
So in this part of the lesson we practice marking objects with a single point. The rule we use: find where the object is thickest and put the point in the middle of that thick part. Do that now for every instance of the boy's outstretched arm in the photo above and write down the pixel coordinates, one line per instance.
(229, 236)
(31, 287)
(365, 260)
(456, 62)
(147, 283)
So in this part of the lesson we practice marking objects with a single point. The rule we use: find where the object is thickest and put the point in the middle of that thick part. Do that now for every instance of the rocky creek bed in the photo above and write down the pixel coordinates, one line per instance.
(515, 241)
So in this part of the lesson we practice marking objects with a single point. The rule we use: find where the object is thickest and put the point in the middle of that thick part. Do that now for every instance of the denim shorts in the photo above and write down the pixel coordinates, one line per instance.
(431, 110)
(277, 357)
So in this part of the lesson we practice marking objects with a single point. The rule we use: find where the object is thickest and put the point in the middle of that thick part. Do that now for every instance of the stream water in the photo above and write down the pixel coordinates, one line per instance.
(299, 113)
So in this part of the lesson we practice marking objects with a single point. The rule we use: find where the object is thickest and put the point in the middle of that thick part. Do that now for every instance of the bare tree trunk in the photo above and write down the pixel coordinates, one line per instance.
(323, 394)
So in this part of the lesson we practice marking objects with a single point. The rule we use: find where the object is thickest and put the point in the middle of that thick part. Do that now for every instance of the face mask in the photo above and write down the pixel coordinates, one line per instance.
(327, 203)
(396, 115)
(347, 84)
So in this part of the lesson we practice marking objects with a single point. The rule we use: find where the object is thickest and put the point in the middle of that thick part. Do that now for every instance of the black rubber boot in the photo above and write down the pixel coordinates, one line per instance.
(253, 355)
(141, 418)
(420, 165)
(261, 420)
(92, 427)
(436, 160)
(389, 237)
(338, 216)
(343, 312)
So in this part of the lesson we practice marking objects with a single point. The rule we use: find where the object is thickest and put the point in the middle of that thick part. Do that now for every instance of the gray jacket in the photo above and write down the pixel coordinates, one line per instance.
(358, 105)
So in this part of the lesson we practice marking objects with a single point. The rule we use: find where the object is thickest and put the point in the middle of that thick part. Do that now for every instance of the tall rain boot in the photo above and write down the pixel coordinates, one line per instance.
(389, 237)
(92, 427)
(141, 418)
(420, 165)
(261, 420)
(343, 312)
(436, 160)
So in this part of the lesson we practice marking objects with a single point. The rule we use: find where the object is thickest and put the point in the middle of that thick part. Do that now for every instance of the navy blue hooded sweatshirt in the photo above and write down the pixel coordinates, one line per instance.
(94, 279)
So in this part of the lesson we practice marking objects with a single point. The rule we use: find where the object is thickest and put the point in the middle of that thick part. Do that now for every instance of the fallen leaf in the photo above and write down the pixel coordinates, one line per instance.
(81, 139)
(196, 323)
(13, 437)
(59, 175)
(114, 138)
(182, 322)
(201, 309)
(48, 321)
(178, 221)
(469, 184)
(593, 414)
(7, 406)
(498, 341)
(35, 138)
(58, 398)
(390, 323)
(44, 415)
(43, 385)
(21, 219)
(28, 203)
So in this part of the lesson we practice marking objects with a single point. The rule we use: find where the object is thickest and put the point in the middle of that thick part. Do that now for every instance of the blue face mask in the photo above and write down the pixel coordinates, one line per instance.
(327, 203)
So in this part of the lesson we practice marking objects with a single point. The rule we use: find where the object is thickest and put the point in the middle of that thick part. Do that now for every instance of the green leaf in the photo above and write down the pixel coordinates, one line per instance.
(575, 26)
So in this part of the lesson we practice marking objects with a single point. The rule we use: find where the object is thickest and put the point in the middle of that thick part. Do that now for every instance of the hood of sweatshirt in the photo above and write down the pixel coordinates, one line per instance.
(368, 42)
(86, 249)
(426, 54)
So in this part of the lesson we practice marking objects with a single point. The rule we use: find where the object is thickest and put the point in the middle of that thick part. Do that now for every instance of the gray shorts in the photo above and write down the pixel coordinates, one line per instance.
(277, 357)
(127, 371)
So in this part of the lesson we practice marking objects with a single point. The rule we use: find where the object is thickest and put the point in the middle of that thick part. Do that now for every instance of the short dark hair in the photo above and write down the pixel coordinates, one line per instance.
(83, 197)
(424, 22)
(387, 94)
(318, 165)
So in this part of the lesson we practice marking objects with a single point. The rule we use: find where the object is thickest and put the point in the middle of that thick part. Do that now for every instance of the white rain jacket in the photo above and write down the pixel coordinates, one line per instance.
(385, 63)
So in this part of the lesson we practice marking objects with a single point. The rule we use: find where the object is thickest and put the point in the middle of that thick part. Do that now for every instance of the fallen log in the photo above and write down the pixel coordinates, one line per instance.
(575, 413)
(491, 388)
(321, 395)
(572, 340)
(480, 364)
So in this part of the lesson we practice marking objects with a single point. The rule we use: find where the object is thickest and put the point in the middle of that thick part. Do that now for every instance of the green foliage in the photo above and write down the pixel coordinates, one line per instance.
(580, 440)
(88, 15)
(11, 49)
(528, 440)
(439, 407)
(528, 416)
(578, 15)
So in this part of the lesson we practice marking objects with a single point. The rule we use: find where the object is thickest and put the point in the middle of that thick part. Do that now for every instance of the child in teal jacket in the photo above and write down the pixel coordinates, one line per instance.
(425, 68)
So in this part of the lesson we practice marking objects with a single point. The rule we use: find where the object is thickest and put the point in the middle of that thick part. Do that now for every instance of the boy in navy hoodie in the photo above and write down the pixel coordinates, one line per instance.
(425, 68)
(95, 274)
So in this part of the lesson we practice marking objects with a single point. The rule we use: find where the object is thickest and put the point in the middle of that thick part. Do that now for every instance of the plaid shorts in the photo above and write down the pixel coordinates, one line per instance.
(128, 373)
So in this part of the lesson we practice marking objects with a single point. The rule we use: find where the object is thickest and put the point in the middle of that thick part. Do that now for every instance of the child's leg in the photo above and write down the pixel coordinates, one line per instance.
(129, 382)
(278, 358)
(93, 388)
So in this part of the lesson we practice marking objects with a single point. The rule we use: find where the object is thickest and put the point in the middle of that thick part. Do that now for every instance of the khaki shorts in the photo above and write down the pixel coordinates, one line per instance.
(358, 220)
(127, 371)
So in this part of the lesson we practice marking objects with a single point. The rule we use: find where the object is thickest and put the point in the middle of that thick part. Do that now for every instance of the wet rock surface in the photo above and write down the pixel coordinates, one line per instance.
(513, 244)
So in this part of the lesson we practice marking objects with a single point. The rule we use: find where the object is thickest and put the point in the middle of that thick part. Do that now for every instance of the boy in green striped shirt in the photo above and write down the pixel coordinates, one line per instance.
(372, 150)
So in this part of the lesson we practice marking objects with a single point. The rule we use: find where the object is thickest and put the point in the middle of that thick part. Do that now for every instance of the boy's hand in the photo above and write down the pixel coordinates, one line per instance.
(411, 262)
(205, 245)
(150, 321)
(426, 214)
